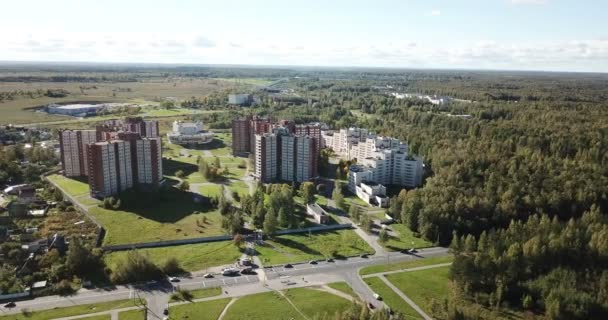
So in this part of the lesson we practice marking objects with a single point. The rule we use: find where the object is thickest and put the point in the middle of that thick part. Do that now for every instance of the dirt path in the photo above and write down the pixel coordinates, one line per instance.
(226, 308)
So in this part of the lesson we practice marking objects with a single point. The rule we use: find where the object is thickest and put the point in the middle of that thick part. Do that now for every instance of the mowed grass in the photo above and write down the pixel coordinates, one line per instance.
(206, 310)
(390, 298)
(262, 306)
(192, 257)
(240, 187)
(344, 287)
(165, 221)
(72, 186)
(99, 317)
(131, 315)
(405, 265)
(315, 303)
(202, 293)
(210, 190)
(70, 311)
(406, 239)
(304, 247)
(423, 286)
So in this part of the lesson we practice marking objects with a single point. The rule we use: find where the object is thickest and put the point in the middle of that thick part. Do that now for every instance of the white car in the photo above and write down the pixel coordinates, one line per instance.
(207, 275)
(174, 279)
(376, 296)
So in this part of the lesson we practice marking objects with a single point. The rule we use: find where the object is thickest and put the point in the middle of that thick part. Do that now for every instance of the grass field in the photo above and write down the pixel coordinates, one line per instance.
(239, 187)
(405, 265)
(406, 239)
(207, 310)
(161, 220)
(100, 317)
(344, 287)
(262, 306)
(302, 247)
(202, 293)
(70, 311)
(314, 303)
(72, 186)
(423, 286)
(210, 190)
(192, 257)
(391, 299)
(131, 315)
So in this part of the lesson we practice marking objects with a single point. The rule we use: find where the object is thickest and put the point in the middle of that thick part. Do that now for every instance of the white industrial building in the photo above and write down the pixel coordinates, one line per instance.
(185, 133)
(75, 110)
(239, 99)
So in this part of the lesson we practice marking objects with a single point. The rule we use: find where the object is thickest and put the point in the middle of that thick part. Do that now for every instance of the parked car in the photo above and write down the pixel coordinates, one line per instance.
(174, 279)
(312, 262)
(364, 255)
(329, 260)
(377, 296)
(288, 266)
(370, 305)
(413, 250)
(207, 275)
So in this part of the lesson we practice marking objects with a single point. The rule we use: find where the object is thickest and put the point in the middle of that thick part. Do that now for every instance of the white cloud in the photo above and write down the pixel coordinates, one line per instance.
(435, 13)
(576, 55)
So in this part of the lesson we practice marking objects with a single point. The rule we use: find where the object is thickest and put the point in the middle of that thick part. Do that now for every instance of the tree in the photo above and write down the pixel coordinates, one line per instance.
(353, 212)
(337, 196)
(307, 192)
(283, 218)
(270, 223)
(366, 223)
(383, 236)
(184, 186)
(180, 174)
(238, 240)
(81, 260)
(172, 267)
(135, 267)
(233, 221)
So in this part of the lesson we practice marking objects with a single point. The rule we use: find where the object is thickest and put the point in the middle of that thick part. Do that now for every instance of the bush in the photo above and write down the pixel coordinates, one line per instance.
(172, 267)
(136, 267)
(64, 287)
(182, 295)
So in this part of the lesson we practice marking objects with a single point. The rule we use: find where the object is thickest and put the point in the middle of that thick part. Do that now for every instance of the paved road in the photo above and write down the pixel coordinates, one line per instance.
(322, 273)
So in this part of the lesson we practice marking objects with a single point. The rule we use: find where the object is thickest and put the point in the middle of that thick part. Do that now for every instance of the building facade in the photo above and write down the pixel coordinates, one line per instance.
(266, 157)
(72, 146)
(239, 99)
(244, 131)
(189, 133)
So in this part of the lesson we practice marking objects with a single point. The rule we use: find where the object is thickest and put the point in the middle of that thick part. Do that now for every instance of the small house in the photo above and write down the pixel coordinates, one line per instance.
(320, 216)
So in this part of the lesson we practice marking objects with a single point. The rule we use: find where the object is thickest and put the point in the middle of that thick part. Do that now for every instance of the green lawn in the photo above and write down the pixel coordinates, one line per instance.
(203, 293)
(210, 190)
(314, 303)
(239, 187)
(406, 239)
(262, 306)
(391, 299)
(100, 317)
(405, 265)
(302, 247)
(423, 286)
(72, 186)
(192, 257)
(131, 315)
(70, 311)
(206, 310)
(162, 220)
(344, 287)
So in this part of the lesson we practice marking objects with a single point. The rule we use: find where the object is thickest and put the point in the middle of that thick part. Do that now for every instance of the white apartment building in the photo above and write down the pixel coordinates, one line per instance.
(74, 157)
(266, 157)
(239, 99)
(149, 161)
(189, 133)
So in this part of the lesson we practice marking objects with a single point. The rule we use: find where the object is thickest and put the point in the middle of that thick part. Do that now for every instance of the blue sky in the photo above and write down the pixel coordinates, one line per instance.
(556, 35)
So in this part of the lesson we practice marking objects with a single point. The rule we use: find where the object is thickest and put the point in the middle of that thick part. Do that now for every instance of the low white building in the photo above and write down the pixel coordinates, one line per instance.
(320, 216)
(189, 133)
(360, 183)
(75, 110)
(239, 99)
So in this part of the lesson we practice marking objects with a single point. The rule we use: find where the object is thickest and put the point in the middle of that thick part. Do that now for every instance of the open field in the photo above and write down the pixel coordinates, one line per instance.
(100, 317)
(405, 265)
(344, 287)
(239, 187)
(74, 187)
(314, 303)
(163, 220)
(206, 310)
(14, 111)
(302, 247)
(70, 311)
(131, 315)
(424, 286)
(192, 257)
(210, 190)
(391, 299)
(406, 239)
(202, 293)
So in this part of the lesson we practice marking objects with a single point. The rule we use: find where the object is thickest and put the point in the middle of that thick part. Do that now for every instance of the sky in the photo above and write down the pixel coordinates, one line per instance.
(549, 35)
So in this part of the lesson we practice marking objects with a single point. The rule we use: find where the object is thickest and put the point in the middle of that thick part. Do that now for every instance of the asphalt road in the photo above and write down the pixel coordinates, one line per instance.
(275, 278)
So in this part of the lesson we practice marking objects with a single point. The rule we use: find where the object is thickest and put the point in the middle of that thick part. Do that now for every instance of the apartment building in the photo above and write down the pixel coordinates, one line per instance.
(244, 131)
(266, 157)
(72, 146)
(145, 128)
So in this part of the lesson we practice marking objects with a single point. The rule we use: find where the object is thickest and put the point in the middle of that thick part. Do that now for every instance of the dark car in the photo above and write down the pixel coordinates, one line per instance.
(288, 266)
(10, 305)
(329, 260)
(312, 262)
(364, 255)
(370, 305)
(166, 312)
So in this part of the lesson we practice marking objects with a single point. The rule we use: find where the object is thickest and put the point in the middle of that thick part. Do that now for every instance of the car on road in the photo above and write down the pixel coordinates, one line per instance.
(10, 305)
(377, 296)
(329, 260)
(288, 266)
(230, 272)
(413, 250)
(365, 255)
(312, 262)
(174, 279)
(166, 312)
(207, 275)
(370, 305)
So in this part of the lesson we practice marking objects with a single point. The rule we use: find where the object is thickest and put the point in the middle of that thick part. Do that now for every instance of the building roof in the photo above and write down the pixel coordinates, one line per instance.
(316, 209)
